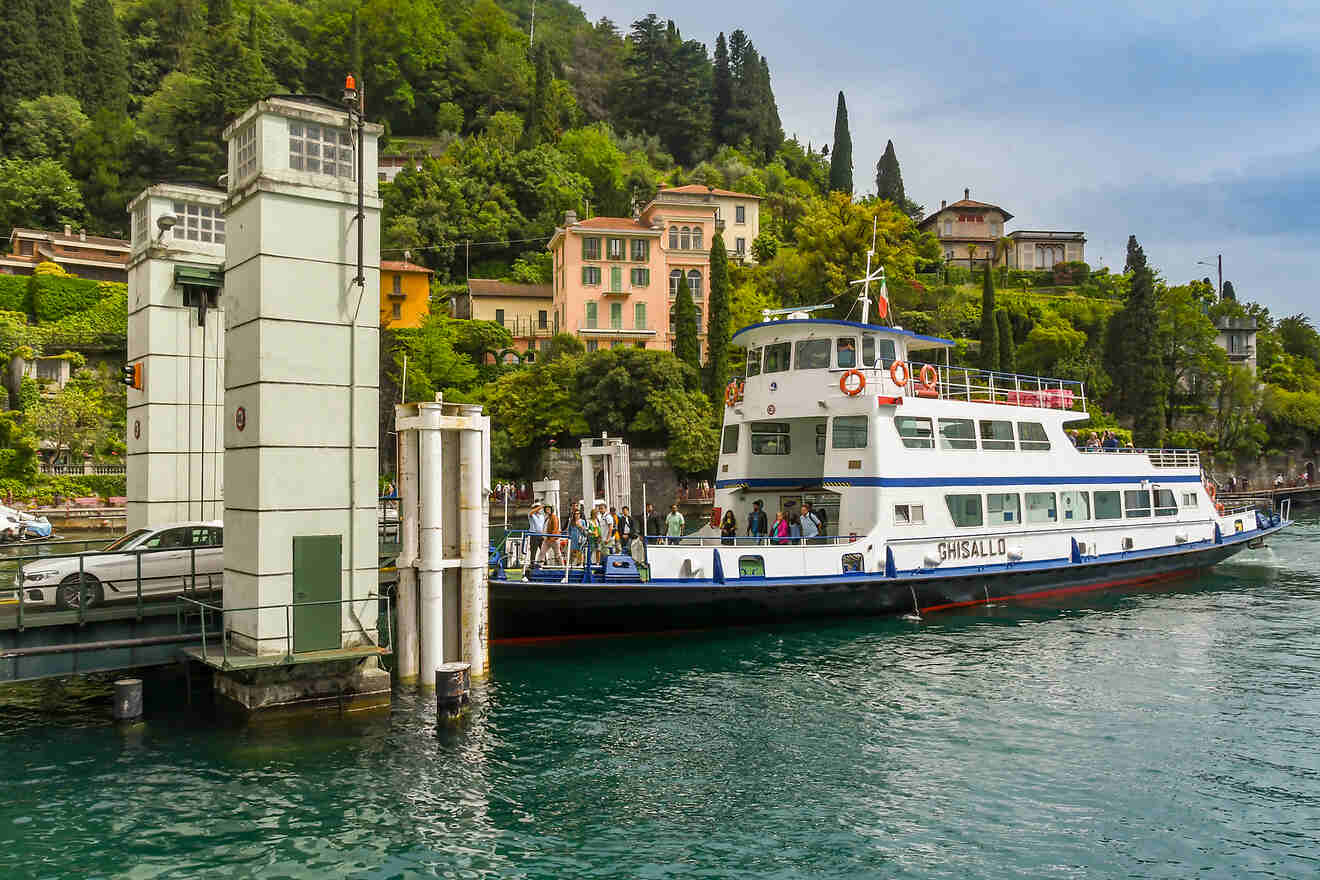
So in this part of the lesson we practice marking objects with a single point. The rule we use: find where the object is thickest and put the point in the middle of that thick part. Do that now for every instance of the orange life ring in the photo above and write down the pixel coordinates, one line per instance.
(929, 376)
(848, 389)
(1211, 489)
(1220, 509)
(893, 373)
(730, 393)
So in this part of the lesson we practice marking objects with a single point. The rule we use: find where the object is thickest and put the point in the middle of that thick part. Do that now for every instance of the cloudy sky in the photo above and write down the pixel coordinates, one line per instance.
(1192, 126)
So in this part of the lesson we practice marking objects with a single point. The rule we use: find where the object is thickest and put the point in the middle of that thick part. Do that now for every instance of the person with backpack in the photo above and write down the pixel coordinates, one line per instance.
(757, 527)
(817, 518)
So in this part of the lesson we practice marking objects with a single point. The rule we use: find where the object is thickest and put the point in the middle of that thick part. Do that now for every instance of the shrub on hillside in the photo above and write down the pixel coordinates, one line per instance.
(55, 297)
(16, 294)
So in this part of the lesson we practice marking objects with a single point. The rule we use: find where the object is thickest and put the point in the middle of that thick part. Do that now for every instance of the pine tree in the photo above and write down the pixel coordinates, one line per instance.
(1229, 292)
(1136, 257)
(989, 328)
(771, 134)
(1007, 349)
(23, 58)
(717, 328)
(105, 73)
(721, 99)
(687, 348)
(841, 167)
(889, 179)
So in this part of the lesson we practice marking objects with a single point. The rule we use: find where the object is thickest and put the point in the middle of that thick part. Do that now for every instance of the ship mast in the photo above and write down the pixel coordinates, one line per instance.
(879, 273)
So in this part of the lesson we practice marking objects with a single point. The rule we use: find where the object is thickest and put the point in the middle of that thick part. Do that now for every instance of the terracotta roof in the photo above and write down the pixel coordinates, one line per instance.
(402, 266)
(612, 223)
(963, 204)
(700, 189)
(491, 287)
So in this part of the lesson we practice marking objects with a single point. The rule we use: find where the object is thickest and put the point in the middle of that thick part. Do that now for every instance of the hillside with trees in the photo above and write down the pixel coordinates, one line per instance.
(514, 125)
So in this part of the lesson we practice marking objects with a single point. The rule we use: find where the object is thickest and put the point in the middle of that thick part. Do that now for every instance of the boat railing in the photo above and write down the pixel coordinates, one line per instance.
(750, 541)
(988, 386)
(1165, 458)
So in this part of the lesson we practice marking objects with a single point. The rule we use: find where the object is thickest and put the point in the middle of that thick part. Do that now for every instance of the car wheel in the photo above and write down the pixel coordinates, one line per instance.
(69, 595)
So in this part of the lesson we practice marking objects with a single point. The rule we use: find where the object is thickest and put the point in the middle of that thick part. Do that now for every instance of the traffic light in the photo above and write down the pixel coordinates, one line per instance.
(132, 375)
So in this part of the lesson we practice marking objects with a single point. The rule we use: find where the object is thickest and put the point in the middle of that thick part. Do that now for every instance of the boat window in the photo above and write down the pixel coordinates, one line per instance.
(751, 566)
(868, 351)
(820, 439)
(1108, 505)
(996, 434)
(1033, 436)
(770, 438)
(1136, 502)
(1165, 505)
(812, 354)
(1189, 499)
(1003, 507)
(776, 357)
(887, 355)
(850, 432)
(845, 352)
(754, 362)
(852, 562)
(1040, 507)
(909, 515)
(957, 434)
(1076, 506)
(916, 432)
(965, 509)
(730, 440)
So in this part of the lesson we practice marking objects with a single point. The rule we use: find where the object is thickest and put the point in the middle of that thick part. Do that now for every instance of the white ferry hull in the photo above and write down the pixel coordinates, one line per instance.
(530, 609)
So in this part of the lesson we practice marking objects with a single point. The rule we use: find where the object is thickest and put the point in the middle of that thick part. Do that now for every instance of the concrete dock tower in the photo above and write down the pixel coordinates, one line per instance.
(176, 334)
(300, 404)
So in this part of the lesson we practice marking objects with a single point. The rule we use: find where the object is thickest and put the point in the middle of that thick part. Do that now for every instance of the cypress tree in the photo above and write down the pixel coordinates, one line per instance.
(1145, 376)
(989, 328)
(687, 348)
(23, 59)
(721, 99)
(1229, 292)
(59, 28)
(1136, 257)
(771, 133)
(536, 120)
(841, 167)
(889, 179)
(717, 328)
(1007, 349)
(105, 73)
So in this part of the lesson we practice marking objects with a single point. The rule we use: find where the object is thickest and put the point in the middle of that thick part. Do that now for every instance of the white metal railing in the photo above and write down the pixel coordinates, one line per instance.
(988, 386)
(1169, 458)
(81, 470)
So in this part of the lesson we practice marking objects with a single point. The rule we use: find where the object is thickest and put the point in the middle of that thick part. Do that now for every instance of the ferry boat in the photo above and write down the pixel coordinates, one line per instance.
(943, 487)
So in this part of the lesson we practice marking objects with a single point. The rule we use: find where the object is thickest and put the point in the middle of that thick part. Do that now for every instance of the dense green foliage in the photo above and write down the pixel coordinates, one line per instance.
(687, 347)
(717, 327)
(989, 329)
(1007, 349)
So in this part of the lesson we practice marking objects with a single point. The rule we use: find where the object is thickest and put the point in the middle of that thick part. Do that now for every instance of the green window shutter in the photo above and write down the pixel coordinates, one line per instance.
(616, 278)
(616, 316)
(639, 315)
(591, 314)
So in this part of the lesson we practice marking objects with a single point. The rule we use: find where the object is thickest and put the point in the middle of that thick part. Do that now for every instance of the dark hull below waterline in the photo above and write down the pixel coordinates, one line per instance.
(521, 609)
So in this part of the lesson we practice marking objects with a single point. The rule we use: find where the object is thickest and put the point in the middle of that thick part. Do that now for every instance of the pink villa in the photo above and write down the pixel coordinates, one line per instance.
(615, 278)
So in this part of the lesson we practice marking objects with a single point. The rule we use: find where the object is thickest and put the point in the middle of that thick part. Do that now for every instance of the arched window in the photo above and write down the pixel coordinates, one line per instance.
(686, 239)
(673, 238)
(674, 277)
(694, 283)
(696, 237)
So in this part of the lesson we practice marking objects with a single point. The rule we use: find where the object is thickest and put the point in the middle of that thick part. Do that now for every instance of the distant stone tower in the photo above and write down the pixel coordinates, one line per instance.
(176, 333)
(301, 378)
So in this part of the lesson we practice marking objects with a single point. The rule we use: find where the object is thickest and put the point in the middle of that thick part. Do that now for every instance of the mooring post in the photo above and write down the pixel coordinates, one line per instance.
(128, 699)
(453, 686)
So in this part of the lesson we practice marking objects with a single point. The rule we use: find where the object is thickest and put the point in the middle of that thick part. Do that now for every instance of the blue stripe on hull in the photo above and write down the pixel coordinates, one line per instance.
(794, 482)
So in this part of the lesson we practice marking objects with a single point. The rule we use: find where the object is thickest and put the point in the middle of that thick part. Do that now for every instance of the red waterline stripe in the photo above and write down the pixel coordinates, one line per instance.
(1068, 591)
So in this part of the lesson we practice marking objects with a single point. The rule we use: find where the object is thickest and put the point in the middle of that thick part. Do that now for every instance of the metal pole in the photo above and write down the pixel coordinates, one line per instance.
(1221, 276)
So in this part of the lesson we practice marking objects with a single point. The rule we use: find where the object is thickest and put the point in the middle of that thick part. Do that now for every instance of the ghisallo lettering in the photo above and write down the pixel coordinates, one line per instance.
(973, 549)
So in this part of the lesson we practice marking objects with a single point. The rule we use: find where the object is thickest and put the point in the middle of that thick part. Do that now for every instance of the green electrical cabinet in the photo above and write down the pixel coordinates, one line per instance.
(316, 578)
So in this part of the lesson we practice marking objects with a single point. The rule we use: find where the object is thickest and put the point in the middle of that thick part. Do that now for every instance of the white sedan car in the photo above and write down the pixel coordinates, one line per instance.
(169, 559)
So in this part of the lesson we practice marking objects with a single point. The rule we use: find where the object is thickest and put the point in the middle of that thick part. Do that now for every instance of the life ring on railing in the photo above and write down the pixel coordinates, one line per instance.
(1211, 489)
(1220, 509)
(929, 376)
(893, 373)
(852, 388)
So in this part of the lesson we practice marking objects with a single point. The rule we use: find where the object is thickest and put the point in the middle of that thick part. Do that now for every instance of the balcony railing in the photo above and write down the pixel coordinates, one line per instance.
(973, 386)
(526, 326)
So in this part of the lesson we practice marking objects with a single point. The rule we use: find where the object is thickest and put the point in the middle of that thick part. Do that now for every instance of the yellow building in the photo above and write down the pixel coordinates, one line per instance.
(405, 294)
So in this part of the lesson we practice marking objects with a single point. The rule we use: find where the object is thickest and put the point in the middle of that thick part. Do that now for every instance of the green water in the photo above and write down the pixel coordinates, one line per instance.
(1155, 734)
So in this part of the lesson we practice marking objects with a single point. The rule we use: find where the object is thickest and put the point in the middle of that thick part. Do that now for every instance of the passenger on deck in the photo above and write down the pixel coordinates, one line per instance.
(780, 528)
(674, 524)
(655, 526)
(757, 527)
(809, 525)
(794, 529)
(550, 549)
(728, 528)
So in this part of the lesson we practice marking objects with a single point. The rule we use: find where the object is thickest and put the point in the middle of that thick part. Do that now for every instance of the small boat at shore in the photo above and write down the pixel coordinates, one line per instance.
(943, 487)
